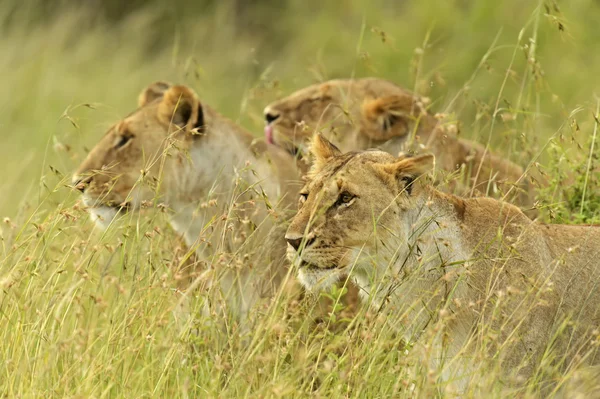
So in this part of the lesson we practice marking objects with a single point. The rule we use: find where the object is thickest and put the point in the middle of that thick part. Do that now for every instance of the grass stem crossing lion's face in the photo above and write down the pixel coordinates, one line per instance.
(347, 209)
(123, 169)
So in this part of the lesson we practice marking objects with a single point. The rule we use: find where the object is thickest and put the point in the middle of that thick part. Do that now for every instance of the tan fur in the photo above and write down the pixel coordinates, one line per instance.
(476, 267)
(374, 113)
(227, 195)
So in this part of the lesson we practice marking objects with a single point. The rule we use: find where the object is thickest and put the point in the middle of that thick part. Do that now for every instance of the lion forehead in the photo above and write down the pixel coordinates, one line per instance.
(352, 162)
(346, 90)
(353, 171)
(141, 123)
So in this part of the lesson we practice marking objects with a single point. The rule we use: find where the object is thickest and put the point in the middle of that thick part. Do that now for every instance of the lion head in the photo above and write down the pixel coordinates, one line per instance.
(353, 114)
(358, 114)
(120, 172)
(349, 206)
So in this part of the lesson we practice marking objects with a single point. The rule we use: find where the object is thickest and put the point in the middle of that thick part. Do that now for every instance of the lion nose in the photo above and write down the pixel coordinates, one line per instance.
(295, 242)
(271, 115)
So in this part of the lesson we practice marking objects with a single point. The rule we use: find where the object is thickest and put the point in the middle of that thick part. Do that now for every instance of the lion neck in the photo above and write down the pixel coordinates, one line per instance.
(412, 265)
(222, 176)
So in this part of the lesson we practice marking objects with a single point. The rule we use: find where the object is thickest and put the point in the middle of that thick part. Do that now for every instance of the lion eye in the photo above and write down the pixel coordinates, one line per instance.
(302, 199)
(122, 140)
(345, 198)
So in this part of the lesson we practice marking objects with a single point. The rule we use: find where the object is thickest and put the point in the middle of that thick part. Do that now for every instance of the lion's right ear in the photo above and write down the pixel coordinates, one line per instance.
(180, 106)
(323, 150)
(152, 92)
(388, 117)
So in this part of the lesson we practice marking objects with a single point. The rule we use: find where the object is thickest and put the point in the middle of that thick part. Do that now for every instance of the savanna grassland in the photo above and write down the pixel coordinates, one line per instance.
(85, 313)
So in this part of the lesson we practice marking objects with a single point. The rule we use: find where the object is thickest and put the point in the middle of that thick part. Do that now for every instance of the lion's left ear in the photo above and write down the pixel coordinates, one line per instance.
(152, 92)
(388, 117)
(322, 150)
(180, 106)
(406, 170)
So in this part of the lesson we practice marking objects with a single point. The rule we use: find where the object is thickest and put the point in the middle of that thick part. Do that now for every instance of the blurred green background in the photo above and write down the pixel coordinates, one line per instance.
(519, 73)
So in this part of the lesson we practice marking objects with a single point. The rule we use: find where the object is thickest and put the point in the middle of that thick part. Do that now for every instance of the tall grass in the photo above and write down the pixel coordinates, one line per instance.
(89, 314)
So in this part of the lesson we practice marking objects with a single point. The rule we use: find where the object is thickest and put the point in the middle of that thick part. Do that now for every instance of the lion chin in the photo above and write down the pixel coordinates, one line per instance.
(315, 279)
(103, 216)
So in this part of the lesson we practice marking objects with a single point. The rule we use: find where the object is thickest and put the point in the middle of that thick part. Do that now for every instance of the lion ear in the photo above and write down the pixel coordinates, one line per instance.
(180, 106)
(152, 92)
(406, 170)
(388, 117)
(323, 150)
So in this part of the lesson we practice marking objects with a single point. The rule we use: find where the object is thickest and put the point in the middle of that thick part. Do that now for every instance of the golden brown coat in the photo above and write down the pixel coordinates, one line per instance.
(226, 193)
(498, 283)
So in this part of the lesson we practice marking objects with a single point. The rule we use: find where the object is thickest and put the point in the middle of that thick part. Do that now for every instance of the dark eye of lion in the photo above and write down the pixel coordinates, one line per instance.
(122, 140)
(344, 198)
(302, 199)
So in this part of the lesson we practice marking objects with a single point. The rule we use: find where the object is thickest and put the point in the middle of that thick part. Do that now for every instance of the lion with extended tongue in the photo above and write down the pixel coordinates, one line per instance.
(357, 114)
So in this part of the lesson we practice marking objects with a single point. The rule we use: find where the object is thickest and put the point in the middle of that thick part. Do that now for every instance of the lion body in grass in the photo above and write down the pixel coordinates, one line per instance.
(475, 275)
(358, 114)
(227, 194)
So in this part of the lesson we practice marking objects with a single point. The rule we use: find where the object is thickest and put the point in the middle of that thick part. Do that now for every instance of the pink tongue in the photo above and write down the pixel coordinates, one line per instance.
(269, 134)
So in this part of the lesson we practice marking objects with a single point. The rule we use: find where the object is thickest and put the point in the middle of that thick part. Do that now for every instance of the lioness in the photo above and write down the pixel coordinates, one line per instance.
(479, 266)
(227, 195)
(357, 114)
